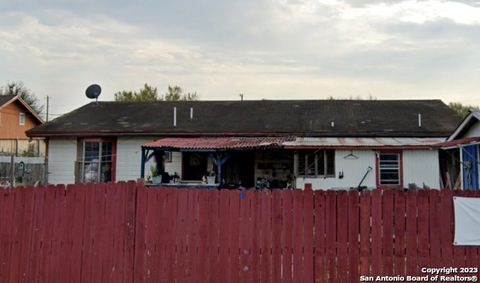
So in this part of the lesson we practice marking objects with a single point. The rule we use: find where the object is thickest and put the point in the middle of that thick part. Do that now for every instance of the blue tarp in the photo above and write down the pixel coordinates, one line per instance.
(470, 167)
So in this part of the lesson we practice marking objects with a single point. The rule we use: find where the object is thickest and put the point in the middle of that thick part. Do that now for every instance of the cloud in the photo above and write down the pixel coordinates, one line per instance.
(420, 12)
(263, 48)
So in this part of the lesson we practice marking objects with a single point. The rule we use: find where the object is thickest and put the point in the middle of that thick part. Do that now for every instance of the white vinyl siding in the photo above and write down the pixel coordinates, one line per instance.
(474, 131)
(129, 156)
(421, 167)
(62, 154)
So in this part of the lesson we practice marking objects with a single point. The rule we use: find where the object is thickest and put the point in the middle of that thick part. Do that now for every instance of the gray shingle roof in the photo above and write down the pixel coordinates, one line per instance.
(388, 118)
(5, 98)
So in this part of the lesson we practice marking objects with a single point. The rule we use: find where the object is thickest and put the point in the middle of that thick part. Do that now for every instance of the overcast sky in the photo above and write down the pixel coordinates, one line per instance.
(273, 49)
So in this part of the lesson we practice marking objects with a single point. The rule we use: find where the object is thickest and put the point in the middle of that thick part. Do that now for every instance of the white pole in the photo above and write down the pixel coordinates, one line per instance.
(174, 116)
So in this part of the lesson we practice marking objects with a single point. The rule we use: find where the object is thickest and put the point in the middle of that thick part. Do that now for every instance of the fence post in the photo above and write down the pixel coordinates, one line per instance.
(12, 170)
(45, 168)
(308, 187)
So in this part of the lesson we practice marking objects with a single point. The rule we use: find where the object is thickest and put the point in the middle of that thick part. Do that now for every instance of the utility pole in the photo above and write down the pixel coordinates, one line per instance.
(48, 104)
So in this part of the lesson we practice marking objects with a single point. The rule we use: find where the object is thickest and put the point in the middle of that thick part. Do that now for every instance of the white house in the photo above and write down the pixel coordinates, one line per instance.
(336, 144)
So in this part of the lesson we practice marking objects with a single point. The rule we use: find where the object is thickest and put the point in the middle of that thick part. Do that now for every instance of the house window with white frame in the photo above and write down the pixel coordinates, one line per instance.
(96, 161)
(21, 119)
(389, 171)
(316, 163)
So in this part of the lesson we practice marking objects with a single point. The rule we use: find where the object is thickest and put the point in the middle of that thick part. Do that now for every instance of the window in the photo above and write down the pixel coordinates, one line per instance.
(96, 161)
(167, 157)
(389, 171)
(316, 163)
(21, 119)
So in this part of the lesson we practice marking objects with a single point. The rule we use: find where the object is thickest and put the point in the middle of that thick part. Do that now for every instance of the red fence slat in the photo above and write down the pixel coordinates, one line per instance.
(320, 244)
(331, 218)
(376, 236)
(171, 233)
(151, 235)
(342, 236)
(388, 234)
(47, 271)
(181, 251)
(423, 230)
(287, 235)
(400, 233)
(435, 226)
(16, 245)
(297, 236)
(234, 236)
(353, 232)
(255, 236)
(38, 226)
(446, 236)
(245, 241)
(224, 245)
(140, 254)
(214, 237)
(28, 223)
(276, 236)
(108, 249)
(365, 203)
(129, 230)
(100, 232)
(411, 234)
(191, 234)
(308, 234)
(266, 264)
(201, 241)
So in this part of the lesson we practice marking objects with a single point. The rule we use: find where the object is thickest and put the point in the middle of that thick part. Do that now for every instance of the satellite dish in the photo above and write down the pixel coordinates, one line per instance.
(93, 91)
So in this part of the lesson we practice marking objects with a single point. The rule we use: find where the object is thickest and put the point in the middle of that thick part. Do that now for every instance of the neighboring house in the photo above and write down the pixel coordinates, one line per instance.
(268, 143)
(16, 117)
(460, 155)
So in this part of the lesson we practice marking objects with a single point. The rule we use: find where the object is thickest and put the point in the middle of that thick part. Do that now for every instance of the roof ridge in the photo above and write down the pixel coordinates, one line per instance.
(274, 100)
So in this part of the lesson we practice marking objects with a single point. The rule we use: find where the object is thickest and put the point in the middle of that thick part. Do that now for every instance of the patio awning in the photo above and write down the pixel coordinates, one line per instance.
(217, 143)
(459, 142)
(362, 143)
(238, 143)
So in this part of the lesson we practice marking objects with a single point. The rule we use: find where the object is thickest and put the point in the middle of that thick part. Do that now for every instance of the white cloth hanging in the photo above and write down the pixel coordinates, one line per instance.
(467, 221)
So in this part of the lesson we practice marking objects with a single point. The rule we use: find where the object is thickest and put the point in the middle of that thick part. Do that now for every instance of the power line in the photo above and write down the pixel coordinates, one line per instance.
(48, 104)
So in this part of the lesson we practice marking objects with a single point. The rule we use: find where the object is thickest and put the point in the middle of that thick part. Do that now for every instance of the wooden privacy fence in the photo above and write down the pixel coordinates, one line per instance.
(125, 232)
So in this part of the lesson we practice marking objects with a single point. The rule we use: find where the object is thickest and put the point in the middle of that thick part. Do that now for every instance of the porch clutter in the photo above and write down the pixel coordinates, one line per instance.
(224, 162)
(210, 179)
(156, 179)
